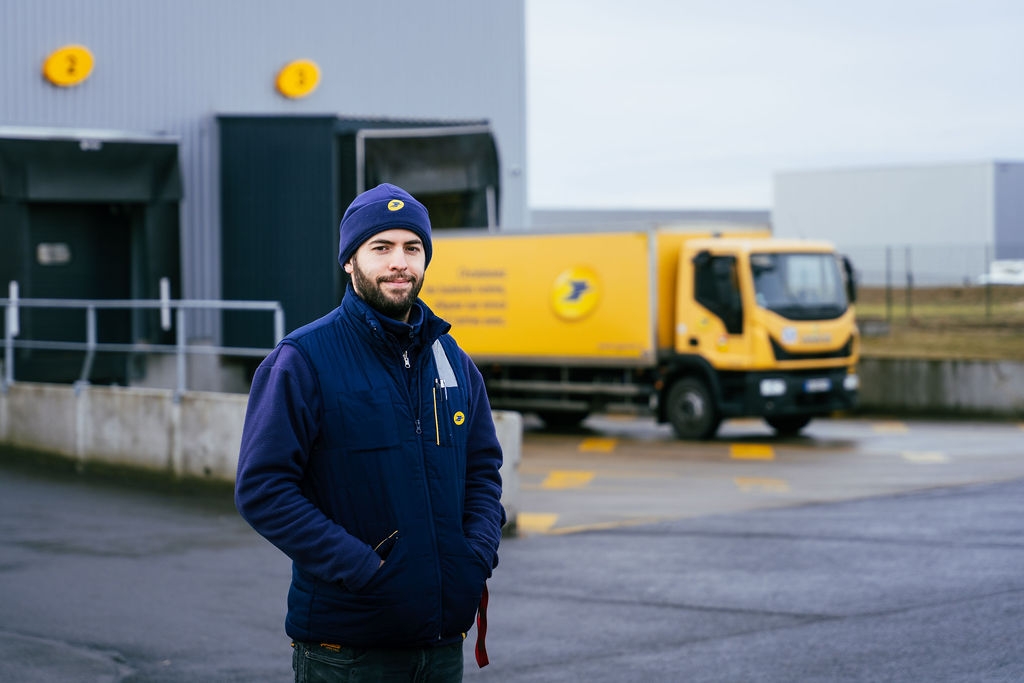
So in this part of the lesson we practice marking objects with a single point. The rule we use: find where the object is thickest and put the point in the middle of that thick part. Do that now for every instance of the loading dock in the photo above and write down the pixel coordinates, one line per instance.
(88, 215)
(287, 180)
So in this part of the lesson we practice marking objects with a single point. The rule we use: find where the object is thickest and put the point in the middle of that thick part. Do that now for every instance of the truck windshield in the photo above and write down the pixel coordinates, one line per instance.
(799, 286)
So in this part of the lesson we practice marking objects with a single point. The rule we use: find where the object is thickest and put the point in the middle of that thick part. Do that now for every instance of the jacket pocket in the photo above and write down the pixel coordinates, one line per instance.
(384, 548)
(465, 584)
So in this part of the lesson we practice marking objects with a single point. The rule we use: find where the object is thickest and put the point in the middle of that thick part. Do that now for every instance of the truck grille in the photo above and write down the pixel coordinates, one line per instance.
(845, 351)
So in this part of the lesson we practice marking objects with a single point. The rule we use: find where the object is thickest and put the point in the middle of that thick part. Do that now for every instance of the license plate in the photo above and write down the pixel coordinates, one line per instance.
(817, 385)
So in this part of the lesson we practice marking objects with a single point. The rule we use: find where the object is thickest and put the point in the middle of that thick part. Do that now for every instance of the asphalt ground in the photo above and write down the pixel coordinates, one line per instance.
(653, 561)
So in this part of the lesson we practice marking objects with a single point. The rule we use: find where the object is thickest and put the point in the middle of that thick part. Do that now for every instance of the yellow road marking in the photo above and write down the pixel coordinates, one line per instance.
(604, 526)
(535, 522)
(751, 451)
(596, 445)
(925, 457)
(567, 479)
(891, 427)
(750, 484)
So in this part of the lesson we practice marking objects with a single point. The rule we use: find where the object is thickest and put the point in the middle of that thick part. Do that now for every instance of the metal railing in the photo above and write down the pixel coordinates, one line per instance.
(165, 305)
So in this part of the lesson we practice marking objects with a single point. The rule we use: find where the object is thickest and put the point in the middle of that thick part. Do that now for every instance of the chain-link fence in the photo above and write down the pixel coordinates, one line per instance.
(951, 282)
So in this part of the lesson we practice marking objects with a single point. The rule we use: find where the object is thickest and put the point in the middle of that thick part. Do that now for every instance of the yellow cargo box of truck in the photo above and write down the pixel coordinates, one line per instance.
(567, 297)
(573, 298)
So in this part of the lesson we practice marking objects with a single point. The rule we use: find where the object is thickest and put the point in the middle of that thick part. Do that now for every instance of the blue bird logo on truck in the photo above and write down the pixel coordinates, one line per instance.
(575, 293)
(578, 288)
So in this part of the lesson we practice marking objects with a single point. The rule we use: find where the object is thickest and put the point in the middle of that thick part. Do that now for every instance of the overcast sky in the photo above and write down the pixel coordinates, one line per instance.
(696, 104)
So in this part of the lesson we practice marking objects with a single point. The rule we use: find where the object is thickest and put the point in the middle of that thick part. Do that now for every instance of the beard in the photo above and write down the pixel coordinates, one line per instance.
(396, 305)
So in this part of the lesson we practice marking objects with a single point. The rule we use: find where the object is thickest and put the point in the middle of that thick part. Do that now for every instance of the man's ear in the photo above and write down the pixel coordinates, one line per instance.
(348, 266)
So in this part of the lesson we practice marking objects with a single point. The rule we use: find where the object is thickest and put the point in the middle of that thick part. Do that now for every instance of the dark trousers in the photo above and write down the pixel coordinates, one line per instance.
(314, 663)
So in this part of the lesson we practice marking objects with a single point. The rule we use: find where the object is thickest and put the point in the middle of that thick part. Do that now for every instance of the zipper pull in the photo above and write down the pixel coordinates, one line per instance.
(405, 357)
(418, 430)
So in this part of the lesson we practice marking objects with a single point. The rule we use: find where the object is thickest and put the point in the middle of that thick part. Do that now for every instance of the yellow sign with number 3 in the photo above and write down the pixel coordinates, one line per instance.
(68, 65)
(298, 78)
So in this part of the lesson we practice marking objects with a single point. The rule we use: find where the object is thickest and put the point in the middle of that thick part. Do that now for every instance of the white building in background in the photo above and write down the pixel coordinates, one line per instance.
(931, 224)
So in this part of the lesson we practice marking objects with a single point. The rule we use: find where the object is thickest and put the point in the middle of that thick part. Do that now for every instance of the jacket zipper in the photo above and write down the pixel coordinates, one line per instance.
(416, 405)
(433, 532)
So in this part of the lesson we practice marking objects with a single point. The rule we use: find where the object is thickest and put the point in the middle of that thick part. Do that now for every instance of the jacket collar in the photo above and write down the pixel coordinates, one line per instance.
(426, 327)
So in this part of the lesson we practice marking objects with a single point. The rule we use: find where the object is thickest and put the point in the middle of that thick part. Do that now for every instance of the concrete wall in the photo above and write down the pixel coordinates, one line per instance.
(146, 428)
(942, 387)
(198, 436)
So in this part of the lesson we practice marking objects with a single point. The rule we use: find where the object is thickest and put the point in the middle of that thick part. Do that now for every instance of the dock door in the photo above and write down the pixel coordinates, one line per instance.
(287, 180)
(87, 218)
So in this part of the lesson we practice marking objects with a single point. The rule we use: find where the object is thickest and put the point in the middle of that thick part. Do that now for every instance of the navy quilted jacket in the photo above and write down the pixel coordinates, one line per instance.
(360, 446)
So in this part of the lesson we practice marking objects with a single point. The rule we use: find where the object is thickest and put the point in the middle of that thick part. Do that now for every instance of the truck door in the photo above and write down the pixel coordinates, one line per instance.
(717, 288)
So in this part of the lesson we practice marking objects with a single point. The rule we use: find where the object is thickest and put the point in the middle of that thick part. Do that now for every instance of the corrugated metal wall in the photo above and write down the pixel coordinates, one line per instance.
(869, 206)
(1009, 211)
(170, 67)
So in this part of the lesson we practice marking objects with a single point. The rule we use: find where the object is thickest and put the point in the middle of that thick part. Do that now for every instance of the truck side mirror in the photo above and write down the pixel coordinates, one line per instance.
(851, 280)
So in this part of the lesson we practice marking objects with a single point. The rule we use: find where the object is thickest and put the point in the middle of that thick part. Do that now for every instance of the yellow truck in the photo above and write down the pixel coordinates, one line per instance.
(694, 326)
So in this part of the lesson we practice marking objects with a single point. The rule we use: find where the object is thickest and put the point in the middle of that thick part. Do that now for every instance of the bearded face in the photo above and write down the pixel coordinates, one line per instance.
(387, 272)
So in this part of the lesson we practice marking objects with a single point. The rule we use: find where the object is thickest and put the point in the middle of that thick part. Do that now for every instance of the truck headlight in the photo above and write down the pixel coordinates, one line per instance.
(773, 387)
(851, 382)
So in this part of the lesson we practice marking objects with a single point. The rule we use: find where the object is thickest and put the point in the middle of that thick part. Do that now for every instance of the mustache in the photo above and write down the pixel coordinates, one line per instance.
(397, 278)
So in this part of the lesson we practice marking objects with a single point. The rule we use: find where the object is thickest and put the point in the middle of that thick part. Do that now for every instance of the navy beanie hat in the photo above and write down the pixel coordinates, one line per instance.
(383, 208)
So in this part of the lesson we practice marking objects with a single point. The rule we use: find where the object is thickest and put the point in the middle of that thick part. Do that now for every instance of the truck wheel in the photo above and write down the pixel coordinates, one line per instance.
(788, 426)
(562, 419)
(691, 409)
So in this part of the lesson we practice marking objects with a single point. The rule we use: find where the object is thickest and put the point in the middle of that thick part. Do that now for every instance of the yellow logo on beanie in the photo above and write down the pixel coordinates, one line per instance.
(395, 204)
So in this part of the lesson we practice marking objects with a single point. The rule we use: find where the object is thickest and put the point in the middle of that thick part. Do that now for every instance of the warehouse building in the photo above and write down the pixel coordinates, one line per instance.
(929, 225)
(213, 146)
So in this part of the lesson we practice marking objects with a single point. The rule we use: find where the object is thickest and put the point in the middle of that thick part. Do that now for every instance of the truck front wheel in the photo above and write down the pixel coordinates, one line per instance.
(691, 409)
(788, 426)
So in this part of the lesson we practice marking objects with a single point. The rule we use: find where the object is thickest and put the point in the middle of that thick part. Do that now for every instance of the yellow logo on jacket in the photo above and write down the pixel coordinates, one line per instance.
(459, 418)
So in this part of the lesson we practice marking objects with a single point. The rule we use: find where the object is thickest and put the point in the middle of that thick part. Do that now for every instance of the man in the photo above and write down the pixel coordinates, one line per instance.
(370, 458)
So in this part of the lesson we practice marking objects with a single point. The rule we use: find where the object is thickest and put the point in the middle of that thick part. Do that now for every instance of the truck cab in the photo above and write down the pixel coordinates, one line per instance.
(764, 327)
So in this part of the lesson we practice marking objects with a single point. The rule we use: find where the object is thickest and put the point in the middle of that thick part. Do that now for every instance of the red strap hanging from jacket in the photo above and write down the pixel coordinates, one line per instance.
(481, 631)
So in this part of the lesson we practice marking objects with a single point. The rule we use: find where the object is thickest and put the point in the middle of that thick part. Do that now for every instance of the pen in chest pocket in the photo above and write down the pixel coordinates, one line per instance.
(437, 431)
(440, 393)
